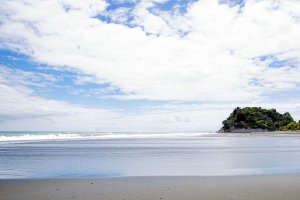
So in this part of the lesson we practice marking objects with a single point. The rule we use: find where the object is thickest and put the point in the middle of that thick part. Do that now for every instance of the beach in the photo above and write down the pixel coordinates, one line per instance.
(262, 187)
(150, 100)
(182, 166)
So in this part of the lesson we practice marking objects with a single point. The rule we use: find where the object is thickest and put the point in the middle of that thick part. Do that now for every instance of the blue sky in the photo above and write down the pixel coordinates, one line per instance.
(152, 65)
(66, 87)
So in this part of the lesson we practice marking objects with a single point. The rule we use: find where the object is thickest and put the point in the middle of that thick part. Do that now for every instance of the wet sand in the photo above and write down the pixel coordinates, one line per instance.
(258, 134)
(263, 187)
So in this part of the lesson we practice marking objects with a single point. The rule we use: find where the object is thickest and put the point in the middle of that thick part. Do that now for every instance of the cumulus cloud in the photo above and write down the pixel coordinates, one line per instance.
(212, 52)
(19, 101)
(22, 109)
(151, 61)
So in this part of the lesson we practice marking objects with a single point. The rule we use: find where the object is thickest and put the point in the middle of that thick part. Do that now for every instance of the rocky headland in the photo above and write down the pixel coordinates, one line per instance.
(257, 119)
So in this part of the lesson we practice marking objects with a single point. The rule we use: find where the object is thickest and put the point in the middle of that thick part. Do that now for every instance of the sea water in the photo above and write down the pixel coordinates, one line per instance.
(70, 155)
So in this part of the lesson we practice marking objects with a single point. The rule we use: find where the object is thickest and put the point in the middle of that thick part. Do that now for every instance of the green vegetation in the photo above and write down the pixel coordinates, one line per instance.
(293, 126)
(259, 118)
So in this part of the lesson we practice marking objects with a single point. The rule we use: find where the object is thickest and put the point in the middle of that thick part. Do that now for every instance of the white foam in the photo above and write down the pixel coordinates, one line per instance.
(74, 136)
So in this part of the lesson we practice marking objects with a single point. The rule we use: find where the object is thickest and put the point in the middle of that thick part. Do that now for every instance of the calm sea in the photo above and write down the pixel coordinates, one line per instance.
(62, 154)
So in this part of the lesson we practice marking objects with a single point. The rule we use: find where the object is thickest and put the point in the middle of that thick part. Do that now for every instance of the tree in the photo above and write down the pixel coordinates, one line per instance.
(256, 118)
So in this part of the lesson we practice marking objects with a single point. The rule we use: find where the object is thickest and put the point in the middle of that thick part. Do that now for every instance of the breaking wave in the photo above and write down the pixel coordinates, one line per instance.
(40, 136)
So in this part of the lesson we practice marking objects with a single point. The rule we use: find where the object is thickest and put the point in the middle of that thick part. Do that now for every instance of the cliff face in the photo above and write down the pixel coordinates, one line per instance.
(256, 119)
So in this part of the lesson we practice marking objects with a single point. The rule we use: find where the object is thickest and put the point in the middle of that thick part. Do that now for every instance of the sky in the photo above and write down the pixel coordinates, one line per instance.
(145, 65)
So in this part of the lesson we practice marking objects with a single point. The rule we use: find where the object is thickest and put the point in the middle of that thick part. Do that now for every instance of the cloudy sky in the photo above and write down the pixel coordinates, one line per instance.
(145, 65)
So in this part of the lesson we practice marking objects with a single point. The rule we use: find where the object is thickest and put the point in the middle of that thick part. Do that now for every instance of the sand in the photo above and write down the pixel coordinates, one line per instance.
(264, 187)
(258, 134)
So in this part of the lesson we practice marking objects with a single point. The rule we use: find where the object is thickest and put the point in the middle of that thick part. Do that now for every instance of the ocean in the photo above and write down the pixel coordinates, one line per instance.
(76, 155)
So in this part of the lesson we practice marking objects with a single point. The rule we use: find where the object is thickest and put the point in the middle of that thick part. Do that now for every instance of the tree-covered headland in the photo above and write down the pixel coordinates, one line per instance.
(257, 118)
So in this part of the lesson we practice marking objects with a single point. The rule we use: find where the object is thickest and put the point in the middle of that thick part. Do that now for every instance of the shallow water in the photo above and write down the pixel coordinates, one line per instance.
(152, 156)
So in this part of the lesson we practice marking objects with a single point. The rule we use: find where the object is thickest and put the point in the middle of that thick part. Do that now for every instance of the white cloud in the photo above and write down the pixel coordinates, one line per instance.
(19, 105)
(209, 53)
(119, 15)
(21, 109)
(20, 77)
(214, 60)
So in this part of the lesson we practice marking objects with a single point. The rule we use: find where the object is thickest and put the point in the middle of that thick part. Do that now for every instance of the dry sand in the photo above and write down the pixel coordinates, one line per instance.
(265, 187)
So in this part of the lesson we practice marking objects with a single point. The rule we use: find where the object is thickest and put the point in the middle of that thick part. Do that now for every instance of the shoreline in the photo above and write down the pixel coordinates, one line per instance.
(269, 133)
(79, 136)
(264, 187)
